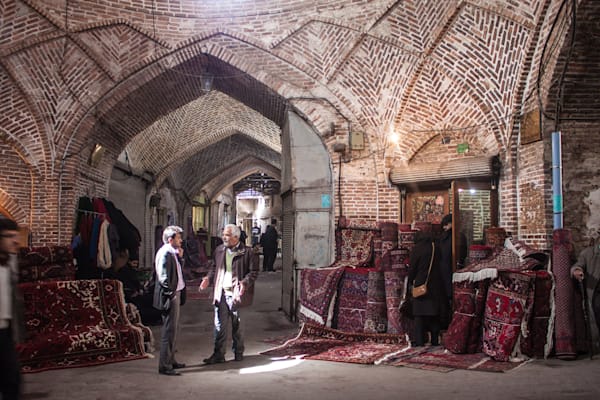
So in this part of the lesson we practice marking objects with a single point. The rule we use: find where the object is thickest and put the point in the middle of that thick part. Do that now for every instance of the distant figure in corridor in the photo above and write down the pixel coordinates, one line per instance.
(243, 235)
(255, 234)
(268, 242)
(233, 272)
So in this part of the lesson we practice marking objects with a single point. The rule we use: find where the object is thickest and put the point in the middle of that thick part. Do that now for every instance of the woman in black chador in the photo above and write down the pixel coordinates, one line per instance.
(428, 308)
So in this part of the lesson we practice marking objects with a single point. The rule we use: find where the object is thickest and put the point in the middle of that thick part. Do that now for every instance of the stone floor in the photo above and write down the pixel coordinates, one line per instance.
(257, 377)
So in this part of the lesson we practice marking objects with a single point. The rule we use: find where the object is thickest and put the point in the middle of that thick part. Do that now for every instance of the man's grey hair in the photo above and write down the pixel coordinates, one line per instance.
(169, 232)
(235, 230)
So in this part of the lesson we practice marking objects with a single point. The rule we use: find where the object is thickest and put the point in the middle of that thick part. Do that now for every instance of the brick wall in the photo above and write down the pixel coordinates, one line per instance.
(414, 67)
(581, 181)
(15, 185)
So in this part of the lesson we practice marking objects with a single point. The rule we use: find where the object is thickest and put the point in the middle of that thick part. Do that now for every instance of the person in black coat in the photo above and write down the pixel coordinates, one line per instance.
(428, 308)
(446, 268)
(268, 242)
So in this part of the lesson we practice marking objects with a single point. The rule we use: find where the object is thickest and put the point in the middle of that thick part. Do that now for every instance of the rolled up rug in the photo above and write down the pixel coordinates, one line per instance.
(564, 322)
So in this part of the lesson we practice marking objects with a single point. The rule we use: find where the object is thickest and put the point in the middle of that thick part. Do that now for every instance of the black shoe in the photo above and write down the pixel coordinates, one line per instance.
(214, 359)
(178, 365)
(239, 357)
(170, 372)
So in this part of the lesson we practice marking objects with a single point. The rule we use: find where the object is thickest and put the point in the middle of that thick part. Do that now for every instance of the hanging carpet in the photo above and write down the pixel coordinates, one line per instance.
(318, 287)
(351, 309)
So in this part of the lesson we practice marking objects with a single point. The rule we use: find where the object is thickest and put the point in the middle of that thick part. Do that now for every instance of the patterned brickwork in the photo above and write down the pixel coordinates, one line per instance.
(126, 74)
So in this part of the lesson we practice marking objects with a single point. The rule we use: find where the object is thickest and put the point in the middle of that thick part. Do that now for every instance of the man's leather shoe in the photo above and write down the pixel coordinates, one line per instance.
(170, 372)
(178, 365)
(214, 359)
(239, 357)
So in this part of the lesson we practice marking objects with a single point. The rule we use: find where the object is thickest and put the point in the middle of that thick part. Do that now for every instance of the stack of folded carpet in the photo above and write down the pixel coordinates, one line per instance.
(503, 305)
(46, 263)
(361, 291)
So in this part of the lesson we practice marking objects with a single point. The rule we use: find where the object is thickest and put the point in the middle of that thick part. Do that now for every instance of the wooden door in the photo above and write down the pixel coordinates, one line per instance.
(474, 209)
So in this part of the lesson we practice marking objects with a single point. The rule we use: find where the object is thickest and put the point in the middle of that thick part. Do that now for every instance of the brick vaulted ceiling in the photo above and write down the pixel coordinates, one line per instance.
(126, 73)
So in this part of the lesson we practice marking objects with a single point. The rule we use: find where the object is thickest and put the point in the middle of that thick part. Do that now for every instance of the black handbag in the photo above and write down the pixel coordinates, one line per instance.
(406, 309)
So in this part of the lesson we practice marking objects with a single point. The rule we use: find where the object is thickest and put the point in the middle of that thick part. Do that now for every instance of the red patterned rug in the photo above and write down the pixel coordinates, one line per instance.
(508, 304)
(564, 323)
(134, 316)
(351, 310)
(279, 340)
(394, 291)
(192, 292)
(464, 333)
(514, 256)
(354, 246)
(46, 263)
(317, 289)
(538, 341)
(320, 343)
(77, 324)
(376, 314)
(438, 359)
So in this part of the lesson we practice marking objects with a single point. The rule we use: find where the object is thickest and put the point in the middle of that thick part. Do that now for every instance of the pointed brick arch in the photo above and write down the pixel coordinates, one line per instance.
(12, 208)
(21, 127)
(214, 161)
(237, 171)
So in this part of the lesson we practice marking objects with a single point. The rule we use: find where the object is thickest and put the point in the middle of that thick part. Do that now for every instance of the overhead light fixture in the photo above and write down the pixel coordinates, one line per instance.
(206, 78)
(96, 155)
(206, 82)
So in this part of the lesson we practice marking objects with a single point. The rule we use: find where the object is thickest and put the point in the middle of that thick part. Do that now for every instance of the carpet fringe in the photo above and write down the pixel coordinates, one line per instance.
(308, 313)
(475, 276)
(550, 332)
(393, 354)
(287, 341)
(477, 364)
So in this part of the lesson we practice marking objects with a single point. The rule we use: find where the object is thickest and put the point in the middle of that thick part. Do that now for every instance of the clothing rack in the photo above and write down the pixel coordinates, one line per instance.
(90, 212)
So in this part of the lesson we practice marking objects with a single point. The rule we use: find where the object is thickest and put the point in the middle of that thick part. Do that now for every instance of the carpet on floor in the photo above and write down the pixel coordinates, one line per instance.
(436, 358)
(192, 292)
(77, 324)
(316, 342)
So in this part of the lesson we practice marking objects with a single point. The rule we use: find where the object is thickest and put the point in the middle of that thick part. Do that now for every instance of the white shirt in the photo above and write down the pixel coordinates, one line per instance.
(6, 291)
(161, 272)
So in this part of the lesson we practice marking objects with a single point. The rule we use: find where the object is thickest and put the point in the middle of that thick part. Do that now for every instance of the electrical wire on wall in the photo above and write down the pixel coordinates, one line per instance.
(572, 31)
(561, 80)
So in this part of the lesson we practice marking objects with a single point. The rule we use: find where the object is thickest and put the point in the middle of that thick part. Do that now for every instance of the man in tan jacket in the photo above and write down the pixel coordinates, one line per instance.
(233, 272)
(587, 270)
